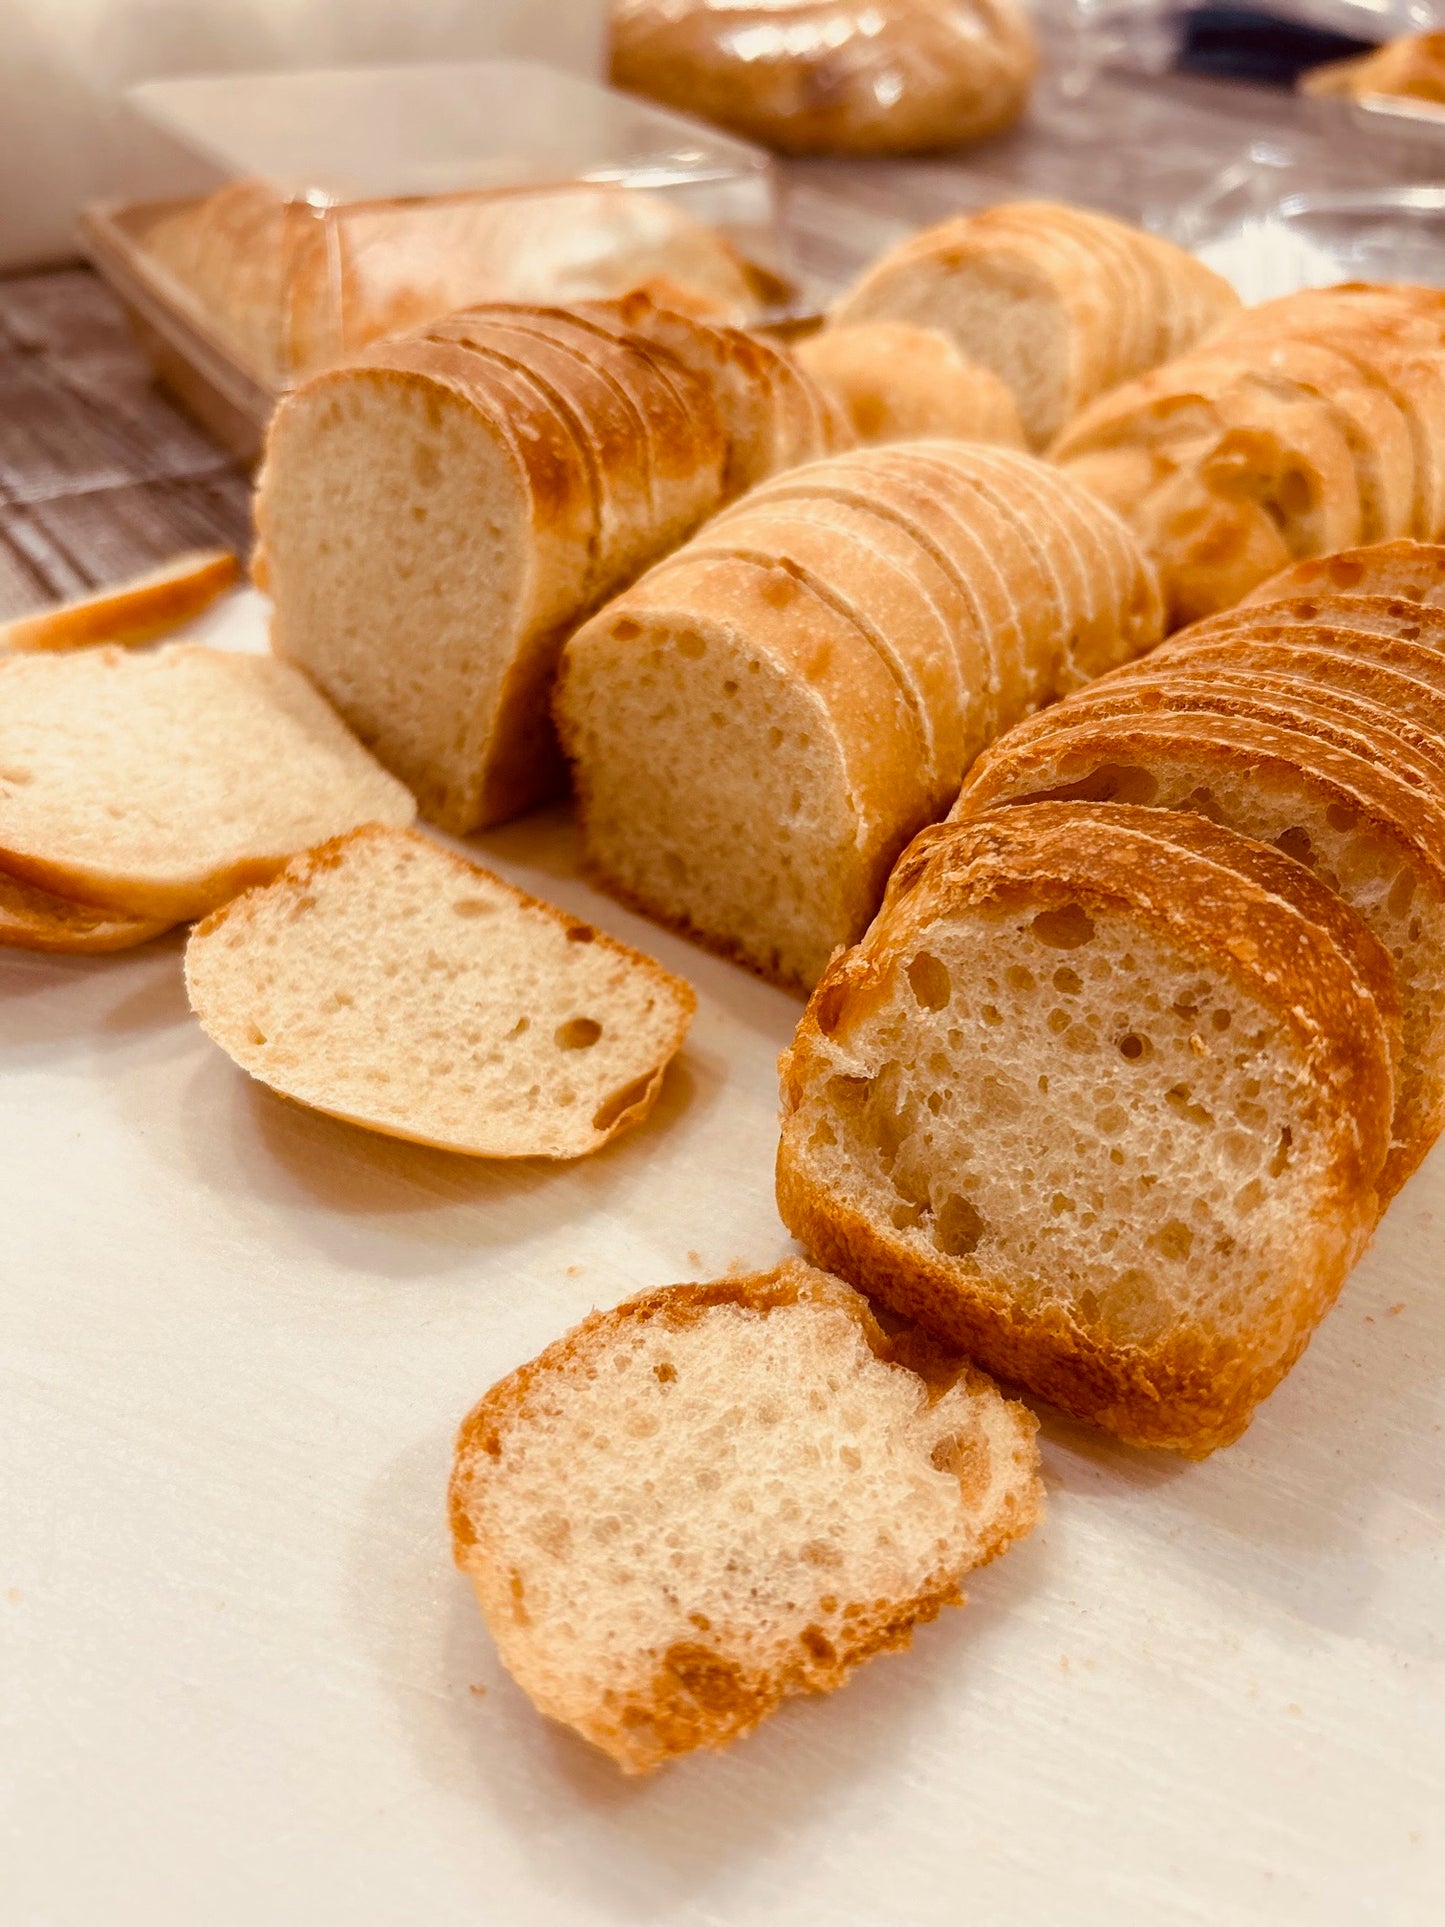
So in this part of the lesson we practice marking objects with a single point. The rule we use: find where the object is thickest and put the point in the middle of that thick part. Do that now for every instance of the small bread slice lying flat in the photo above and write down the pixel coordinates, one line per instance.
(36, 919)
(158, 784)
(389, 983)
(1103, 1098)
(717, 1496)
(140, 610)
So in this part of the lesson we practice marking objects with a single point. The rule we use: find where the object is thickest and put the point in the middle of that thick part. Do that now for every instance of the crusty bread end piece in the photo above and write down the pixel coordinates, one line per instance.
(146, 607)
(718, 1496)
(36, 919)
(389, 983)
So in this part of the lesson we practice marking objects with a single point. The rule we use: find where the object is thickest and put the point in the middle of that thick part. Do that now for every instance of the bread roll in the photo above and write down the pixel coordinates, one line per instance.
(832, 76)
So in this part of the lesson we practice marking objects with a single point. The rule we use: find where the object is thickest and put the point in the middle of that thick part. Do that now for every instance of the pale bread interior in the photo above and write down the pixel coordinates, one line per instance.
(387, 982)
(673, 1521)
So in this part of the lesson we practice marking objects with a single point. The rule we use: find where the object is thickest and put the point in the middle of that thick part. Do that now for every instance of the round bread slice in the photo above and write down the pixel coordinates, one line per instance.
(746, 765)
(36, 919)
(159, 784)
(1409, 571)
(1100, 1107)
(897, 382)
(391, 984)
(1377, 842)
(718, 1496)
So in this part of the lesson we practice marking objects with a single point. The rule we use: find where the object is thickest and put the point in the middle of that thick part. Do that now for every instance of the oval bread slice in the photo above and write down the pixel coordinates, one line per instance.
(1100, 1105)
(387, 982)
(36, 919)
(158, 784)
(718, 1496)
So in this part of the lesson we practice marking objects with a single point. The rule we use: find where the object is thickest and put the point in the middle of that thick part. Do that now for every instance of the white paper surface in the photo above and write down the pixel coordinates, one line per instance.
(241, 1683)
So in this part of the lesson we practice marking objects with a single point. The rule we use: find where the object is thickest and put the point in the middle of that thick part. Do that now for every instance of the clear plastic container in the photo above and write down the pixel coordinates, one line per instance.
(317, 211)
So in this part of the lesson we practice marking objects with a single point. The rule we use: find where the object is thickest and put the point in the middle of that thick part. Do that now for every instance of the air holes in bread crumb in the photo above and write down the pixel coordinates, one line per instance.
(1173, 1240)
(626, 630)
(958, 1230)
(473, 907)
(1135, 1048)
(932, 985)
(578, 1033)
(1067, 928)
(581, 933)
(691, 645)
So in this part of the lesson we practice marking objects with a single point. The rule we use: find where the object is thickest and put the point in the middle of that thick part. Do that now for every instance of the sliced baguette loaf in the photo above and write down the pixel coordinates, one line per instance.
(1106, 1102)
(436, 517)
(148, 606)
(387, 982)
(1061, 303)
(716, 1497)
(158, 784)
(1290, 778)
(760, 724)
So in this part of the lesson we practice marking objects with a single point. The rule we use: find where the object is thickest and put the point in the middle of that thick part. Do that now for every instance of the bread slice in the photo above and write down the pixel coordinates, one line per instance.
(1406, 570)
(140, 610)
(898, 382)
(1417, 623)
(36, 919)
(1374, 838)
(1099, 1104)
(716, 1497)
(158, 784)
(387, 982)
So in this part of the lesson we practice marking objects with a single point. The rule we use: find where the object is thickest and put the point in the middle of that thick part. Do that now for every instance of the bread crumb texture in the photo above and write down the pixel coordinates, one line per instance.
(389, 983)
(717, 1496)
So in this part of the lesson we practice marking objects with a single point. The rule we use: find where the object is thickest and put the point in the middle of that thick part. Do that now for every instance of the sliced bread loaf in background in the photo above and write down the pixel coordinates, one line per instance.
(1062, 303)
(717, 1496)
(387, 982)
(1104, 1098)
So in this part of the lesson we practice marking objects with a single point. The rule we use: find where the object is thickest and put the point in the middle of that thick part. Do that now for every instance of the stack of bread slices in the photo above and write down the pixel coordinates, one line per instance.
(1294, 429)
(759, 725)
(139, 789)
(435, 517)
(1151, 1031)
(1061, 303)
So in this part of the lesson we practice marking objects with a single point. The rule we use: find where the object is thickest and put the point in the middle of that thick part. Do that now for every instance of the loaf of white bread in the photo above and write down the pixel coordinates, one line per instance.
(759, 725)
(1297, 428)
(716, 1497)
(1115, 1088)
(1061, 303)
(436, 516)
(289, 287)
(832, 76)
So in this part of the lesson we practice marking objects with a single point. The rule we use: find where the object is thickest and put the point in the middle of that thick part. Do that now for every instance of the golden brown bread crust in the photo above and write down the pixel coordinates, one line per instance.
(1194, 1389)
(700, 1695)
(1410, 68)
(33, 918)
(1374, 615)
(142, 610)
(1412, 571)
